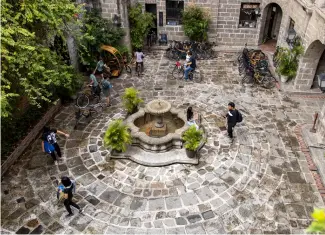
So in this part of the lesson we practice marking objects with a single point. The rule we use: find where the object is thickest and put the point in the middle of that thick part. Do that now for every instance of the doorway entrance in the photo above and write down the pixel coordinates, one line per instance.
(271, 22)
(152, 8)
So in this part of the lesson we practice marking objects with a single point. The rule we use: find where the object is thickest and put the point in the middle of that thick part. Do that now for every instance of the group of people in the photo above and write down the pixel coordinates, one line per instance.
(233, 117)
(67, 186)
(101, 69)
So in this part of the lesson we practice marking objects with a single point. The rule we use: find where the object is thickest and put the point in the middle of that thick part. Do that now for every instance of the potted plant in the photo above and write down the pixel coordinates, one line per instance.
(117, 136)
(288, 62)
(131, 100)
(192, 137)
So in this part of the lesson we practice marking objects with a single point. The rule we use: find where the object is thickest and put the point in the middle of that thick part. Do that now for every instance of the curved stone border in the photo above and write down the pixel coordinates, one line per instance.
(162, 144)
(137, 155)
(311, 165)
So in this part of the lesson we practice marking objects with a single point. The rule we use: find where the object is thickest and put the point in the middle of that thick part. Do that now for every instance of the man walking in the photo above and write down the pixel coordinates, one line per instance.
(231, 119)
(68, 190)
(139, 59)
(49, 139)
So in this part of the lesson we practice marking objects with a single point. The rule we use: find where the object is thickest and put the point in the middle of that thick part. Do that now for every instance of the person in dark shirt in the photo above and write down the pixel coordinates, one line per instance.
(191, 65)
(49, 136)
(231, 119)
(69, 189)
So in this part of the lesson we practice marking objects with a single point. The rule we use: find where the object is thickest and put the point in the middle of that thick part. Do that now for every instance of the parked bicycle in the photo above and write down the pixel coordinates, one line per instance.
(261, 77)
(86, 95)
(90, 112)
(179, 73)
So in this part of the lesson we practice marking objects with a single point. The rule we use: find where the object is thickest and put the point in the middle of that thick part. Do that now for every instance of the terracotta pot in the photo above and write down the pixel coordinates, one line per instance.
(190, 153)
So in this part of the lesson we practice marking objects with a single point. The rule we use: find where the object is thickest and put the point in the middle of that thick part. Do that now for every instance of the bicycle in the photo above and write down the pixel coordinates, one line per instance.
(90, 112)
(179, 73)
(86, 95)
(262, 77)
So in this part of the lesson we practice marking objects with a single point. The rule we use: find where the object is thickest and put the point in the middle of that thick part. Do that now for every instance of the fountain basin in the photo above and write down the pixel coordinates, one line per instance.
(153, 144)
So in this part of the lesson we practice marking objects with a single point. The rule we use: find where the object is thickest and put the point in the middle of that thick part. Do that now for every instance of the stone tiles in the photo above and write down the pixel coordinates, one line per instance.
(259, 183)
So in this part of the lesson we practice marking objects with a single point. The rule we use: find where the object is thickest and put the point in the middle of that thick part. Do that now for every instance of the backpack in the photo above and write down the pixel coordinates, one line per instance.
(60, 195)
(106, 85)
(239, 117)
(48, 148)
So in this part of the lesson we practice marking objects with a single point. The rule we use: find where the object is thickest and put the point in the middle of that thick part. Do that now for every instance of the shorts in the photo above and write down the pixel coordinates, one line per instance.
(106, 92)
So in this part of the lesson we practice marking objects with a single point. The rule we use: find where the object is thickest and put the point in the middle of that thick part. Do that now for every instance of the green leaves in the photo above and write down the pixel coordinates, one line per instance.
(29, 67)
(196, 22)
(289, 60)
(117, 136)
(318, 225)
(96, 31)
(192, 138)
(140, 24)
(130, 99)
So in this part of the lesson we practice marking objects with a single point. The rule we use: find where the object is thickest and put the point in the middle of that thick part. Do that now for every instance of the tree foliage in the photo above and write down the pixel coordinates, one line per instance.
(140, 24)
(96, 31)
(29, 67)
(196, 23)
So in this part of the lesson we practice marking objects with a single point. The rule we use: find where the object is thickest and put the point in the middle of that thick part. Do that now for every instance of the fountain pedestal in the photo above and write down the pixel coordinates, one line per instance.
(159, 122)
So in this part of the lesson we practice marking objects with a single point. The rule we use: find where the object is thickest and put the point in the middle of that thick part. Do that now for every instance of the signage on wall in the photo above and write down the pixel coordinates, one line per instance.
(161, 18)
(250, 5)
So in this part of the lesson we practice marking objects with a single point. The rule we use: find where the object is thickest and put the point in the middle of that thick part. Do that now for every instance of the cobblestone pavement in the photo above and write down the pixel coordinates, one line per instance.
(260, 183)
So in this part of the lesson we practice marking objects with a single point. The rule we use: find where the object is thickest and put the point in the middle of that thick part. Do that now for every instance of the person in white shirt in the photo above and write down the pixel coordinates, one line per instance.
(139, 59)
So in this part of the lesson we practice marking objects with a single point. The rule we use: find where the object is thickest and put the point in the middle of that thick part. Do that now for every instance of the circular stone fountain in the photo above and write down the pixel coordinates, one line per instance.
(157, 127)
(157, 108)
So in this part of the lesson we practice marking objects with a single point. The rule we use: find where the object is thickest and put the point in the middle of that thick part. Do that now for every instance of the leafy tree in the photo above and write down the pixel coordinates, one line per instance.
(140, 24)
(29, 67)
(96, 31)
(196, 22)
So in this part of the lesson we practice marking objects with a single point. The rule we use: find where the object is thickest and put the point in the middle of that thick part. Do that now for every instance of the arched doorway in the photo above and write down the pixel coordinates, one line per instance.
(309, 64)
(270, 25)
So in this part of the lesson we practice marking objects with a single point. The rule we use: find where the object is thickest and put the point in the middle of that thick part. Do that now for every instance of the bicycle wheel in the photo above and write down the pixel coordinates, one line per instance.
(178, 73)
(196, 77)
(267, 82)
(93, 113)
(82, 101)
(246, 79)
(128, 69)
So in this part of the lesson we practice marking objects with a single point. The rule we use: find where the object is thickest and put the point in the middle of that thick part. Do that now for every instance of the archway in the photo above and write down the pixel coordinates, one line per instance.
(270, 25)
(308, 65)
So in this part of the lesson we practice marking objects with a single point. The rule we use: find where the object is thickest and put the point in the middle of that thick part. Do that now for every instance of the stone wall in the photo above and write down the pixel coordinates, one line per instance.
(32, 135)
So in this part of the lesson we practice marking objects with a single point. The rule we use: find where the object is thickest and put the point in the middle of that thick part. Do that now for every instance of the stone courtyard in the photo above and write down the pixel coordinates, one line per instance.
(259, 183)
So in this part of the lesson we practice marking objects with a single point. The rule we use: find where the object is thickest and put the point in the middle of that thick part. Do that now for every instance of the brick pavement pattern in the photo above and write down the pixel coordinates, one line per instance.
(260, 183)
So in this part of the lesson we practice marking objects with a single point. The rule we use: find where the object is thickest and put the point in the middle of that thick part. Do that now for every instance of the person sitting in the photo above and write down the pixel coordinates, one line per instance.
(191, 65)
(190, 117)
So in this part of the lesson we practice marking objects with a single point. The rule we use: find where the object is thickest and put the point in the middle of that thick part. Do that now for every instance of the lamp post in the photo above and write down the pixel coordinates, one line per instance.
(117, 21)
(321, 81)
(291, 36)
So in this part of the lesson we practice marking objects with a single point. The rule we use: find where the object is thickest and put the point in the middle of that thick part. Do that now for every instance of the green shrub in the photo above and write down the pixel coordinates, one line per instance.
(289, 60)
(318, 225)
(196, 23)
(131, 100)
(117, 136)
(96, 32)
(140, 24)
(192, 138)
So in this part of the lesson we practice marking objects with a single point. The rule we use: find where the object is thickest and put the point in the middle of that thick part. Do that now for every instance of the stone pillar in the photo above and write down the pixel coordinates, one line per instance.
(320, 126)
(125, 24)
(308, 65)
